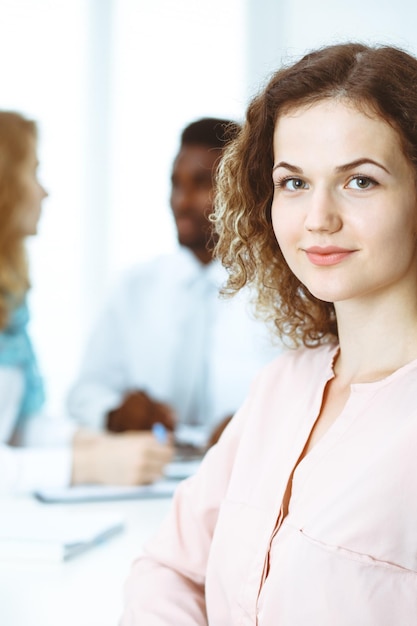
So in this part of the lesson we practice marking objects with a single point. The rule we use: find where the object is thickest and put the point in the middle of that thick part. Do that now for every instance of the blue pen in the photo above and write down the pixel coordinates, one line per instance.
(160, 432)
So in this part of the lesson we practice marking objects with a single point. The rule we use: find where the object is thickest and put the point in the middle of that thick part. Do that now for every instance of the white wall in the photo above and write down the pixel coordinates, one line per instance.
(282, 30)
(112, 83)
(172, 62)
(310, 24)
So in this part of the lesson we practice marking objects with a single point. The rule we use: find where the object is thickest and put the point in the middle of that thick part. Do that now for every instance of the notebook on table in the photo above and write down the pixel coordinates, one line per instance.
(55, 535)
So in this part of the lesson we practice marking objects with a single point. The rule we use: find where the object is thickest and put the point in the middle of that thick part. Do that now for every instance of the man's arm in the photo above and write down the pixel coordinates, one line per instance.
(101, 381)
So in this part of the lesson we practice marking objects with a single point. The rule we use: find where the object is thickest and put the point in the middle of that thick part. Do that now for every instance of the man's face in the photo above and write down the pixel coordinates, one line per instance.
(192, 195)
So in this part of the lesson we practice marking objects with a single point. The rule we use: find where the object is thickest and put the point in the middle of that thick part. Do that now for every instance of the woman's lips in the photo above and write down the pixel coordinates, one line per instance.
(329, 255)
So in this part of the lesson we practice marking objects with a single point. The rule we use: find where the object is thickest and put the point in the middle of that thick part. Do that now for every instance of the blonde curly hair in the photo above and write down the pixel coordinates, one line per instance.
(380, 79)
(16, 133)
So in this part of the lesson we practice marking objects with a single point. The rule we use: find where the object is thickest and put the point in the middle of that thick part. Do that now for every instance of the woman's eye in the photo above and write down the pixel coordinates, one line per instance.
(292, 184)
(361, 182)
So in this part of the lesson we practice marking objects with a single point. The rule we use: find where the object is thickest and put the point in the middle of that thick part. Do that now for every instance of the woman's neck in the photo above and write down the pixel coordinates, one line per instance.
(374, 341)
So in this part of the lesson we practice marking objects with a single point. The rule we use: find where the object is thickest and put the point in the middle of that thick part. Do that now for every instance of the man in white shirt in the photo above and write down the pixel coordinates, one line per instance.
(167, 348)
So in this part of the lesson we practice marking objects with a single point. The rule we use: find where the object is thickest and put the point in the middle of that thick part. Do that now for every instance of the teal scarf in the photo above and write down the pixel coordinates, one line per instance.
(16, 351)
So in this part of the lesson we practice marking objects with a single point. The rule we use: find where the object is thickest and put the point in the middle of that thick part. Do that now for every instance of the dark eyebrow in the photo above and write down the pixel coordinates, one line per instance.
(357, 163)
(288, 166)
(340, 168)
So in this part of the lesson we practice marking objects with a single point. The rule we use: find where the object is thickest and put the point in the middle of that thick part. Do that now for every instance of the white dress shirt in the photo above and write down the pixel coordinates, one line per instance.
(136, 343)
(43, 457)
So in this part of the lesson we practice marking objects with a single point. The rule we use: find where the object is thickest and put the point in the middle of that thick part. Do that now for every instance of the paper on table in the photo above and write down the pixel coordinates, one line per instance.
(51, 535)
(94, 493)
(175, 472)
(178, 470)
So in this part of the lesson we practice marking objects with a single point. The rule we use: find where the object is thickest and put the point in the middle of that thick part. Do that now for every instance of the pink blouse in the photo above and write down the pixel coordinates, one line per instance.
(345, 554)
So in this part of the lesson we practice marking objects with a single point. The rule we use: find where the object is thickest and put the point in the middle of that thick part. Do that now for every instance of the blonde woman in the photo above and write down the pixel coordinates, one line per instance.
(36, 451)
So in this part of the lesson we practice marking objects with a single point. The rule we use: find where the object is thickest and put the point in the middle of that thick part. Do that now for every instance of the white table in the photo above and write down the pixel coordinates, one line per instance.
(84, 591)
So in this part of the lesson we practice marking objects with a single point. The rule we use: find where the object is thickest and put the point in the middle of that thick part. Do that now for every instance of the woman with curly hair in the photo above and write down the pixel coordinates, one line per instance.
(305, 511)
(37, 451)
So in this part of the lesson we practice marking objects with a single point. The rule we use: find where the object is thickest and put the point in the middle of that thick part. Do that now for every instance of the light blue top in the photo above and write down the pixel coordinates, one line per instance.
(16, 350)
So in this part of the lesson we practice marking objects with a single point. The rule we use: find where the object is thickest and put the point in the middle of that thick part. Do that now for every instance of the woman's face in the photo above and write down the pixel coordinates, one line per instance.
(29, 209)
(344, 209)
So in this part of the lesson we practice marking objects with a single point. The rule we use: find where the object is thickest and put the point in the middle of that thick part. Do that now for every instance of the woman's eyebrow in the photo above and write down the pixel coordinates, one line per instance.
(339, 168)
(288, 166)
(357, 163)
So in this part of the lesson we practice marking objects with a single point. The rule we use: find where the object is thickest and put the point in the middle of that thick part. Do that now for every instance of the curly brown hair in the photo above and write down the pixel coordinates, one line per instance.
(16, 133)
(377, 79)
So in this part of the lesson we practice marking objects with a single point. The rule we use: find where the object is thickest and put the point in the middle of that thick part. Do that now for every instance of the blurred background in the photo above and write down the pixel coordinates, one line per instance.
(111, 84)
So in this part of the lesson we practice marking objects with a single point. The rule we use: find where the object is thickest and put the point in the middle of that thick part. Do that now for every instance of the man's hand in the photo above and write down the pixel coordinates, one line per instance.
(139, 412)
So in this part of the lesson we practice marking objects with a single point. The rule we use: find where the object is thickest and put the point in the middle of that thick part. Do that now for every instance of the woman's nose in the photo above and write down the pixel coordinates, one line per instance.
(323, 213)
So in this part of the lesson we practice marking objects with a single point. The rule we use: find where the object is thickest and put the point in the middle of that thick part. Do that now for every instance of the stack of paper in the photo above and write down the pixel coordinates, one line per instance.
(96, 493)
(164, 488)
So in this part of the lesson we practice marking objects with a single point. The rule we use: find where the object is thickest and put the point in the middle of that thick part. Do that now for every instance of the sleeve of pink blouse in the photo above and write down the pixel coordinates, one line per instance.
(166, 584)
